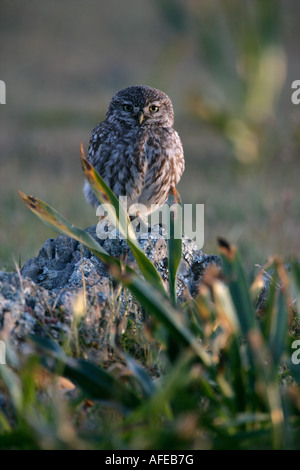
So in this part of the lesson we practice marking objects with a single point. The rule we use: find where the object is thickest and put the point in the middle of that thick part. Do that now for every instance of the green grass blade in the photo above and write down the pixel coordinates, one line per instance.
(171, 387)
(158, 305)
(262, 382)
(57, 222)
(174, 241)
(238, 286)
(296, 273)
(146, 383)
(150, 296)
(270, 306)
(13, 385)
(279, 328)
(119, 215)
(99, 384)
(227, 316)
(275, 322)
(296, 284)
(95, 382)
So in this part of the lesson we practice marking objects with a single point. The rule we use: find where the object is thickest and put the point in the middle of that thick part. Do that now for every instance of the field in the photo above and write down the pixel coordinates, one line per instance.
(228, 68)
(61, 65)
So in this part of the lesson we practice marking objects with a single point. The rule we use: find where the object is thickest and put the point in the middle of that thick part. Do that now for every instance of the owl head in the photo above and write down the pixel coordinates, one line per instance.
(141, 106)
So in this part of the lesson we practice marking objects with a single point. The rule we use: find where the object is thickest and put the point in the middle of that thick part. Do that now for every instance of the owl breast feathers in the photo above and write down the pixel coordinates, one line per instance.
(136, 150)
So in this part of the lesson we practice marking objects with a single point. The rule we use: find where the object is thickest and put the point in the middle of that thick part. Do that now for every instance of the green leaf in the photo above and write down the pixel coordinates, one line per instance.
(296, 273)
(158, 305)
(174, 241)
(120, 218)
(279, 328)
(238, 286)
(275, 323)
(14, 386)
(57, 222)
(93, 381)
(147, 384)
(149, 294)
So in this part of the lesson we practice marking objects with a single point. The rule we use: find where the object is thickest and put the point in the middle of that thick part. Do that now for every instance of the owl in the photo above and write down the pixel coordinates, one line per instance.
(136, 150)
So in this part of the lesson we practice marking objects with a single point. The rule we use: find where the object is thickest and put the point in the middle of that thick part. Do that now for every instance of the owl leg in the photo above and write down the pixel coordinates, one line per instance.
(173, 194)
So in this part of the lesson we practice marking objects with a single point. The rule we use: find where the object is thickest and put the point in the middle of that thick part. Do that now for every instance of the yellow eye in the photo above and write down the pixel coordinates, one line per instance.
(127, 107)
(153, 108)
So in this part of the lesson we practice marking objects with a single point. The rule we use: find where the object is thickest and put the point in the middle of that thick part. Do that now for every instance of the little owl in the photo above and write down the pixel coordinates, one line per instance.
(135, 149)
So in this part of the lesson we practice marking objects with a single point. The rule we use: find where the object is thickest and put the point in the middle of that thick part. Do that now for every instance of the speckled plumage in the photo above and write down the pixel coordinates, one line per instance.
(136, 150)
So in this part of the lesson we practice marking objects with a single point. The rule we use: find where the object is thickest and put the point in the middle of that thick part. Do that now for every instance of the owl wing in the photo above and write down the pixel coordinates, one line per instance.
(177, 159)
(119, 159)
(98, 135)
(165, 166)
(95, 158)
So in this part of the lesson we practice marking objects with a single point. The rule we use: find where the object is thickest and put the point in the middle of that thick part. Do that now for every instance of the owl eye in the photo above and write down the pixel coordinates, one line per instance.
(127, 107)
(153, 108)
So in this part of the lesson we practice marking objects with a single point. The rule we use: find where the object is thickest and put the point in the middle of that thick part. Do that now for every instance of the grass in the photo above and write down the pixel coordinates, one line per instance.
(224, 379)
(246, 396)
(267, 201)
(46, 118)
(228, 380)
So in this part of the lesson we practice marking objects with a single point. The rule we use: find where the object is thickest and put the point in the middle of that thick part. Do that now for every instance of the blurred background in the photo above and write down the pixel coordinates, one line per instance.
(228, 67)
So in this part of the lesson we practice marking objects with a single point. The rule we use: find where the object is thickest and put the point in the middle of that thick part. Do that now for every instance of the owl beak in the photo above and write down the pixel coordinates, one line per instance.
(141, 117)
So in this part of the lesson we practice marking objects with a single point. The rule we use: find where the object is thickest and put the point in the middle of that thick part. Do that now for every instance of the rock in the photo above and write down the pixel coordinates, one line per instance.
(46, 293)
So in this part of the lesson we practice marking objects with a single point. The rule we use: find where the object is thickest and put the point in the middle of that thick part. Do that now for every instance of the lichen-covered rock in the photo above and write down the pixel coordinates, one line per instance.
(42, 297)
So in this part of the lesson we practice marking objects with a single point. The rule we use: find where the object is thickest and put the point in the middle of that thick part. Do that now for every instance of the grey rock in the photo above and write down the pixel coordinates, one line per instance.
(42, 298)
